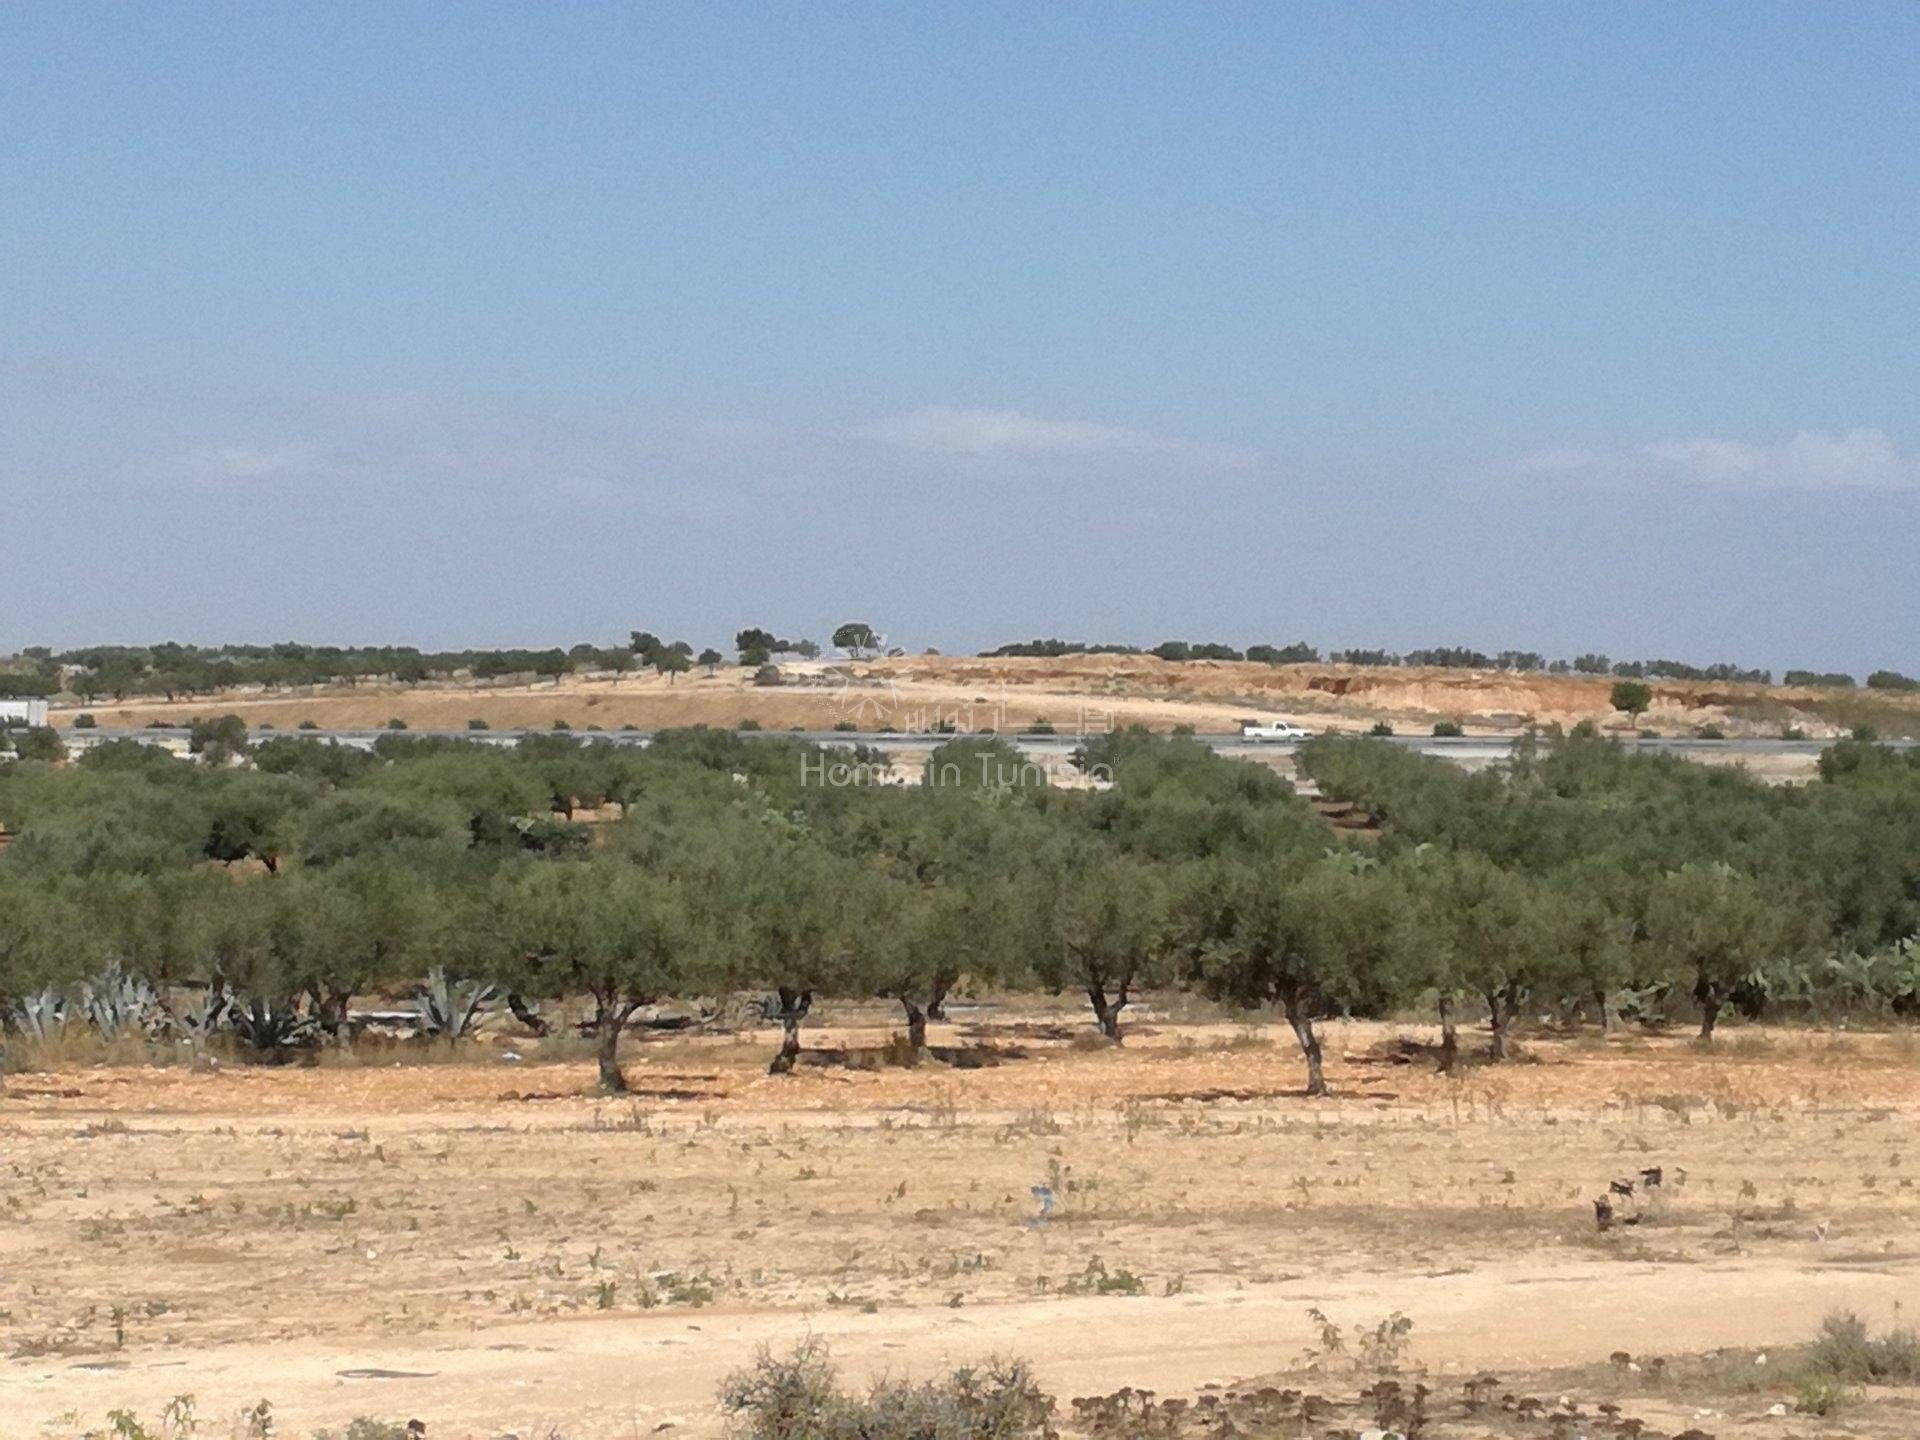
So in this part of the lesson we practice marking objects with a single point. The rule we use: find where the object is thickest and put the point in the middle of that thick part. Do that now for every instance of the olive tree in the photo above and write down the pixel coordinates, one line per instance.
(929, 935)
(1483, 932)
(1589, 926)
(803, 922)
(350, 928)
(38, 928)
(1100, 921)
(249, 817)
(1318, 940)
(605, 928)
(236, 942)
(1713, 927)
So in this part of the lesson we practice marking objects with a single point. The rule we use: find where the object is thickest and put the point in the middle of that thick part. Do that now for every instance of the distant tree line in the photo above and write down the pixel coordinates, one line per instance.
(1452, 657)
(175, 671)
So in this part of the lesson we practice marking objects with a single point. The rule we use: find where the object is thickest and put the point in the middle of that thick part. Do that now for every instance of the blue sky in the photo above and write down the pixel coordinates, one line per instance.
(1556, 327)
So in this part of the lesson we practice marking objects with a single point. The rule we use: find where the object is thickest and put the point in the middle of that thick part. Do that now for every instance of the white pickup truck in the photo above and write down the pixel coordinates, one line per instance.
(1273, 730)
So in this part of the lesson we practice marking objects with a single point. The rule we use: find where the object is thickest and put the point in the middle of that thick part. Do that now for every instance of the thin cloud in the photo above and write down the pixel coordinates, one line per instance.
(524, 454)
(1860, 459)
(245, 464)
(984, 433)
(1557, 461)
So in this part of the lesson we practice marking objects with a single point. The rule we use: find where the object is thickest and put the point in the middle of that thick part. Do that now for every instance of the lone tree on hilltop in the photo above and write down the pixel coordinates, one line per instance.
(757, 646)
(671, 662)
(1631, 698)
(857, 638)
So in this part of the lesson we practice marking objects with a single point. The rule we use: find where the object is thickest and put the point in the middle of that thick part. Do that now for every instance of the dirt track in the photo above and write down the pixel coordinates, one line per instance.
(529, 1255)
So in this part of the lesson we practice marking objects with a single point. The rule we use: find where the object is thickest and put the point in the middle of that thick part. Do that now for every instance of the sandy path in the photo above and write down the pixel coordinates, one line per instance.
(629, 1375)
(261, 1231)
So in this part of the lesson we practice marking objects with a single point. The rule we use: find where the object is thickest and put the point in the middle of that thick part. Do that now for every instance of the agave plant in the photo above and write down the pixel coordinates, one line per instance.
(116, 1003)
(271, 1024)
(450, 1007)
(197, 1020)
(42, 1015)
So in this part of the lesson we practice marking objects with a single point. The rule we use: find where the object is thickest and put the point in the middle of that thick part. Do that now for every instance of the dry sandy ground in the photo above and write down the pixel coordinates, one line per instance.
(1075, 694)
(489, 1247)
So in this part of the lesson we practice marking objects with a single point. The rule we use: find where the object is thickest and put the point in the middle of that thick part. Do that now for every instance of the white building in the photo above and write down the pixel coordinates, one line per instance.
(23, 712)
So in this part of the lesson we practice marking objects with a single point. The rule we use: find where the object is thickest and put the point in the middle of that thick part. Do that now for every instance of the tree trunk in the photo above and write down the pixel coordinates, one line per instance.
(1606, 1011)
(330, 1009)
(1449, 1037)
(1302, 1024)
(916, 1024)
(1708, 994)
(794, 1005)
(609, 1020)
(1106, 1011)
(1498, 1017)
(526, 1014)
(937, 997)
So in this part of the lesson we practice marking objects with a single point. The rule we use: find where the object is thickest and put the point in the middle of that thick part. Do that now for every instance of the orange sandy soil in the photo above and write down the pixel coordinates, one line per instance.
(1083, 693)
(491, 1247)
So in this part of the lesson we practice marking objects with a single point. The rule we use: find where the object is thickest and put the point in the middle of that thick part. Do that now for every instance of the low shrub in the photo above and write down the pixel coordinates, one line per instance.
(1846, 1350)
(1819, 1395)
(798, 1397)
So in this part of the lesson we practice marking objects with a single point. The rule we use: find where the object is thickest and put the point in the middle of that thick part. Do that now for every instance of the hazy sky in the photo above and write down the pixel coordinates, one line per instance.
(1557, 327)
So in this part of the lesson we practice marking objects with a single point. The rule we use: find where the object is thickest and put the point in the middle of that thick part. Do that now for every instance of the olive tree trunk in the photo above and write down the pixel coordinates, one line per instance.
(609, 1019)
(1449, 1037)
(794, 1005)
(916, 1023)
(1499, 1018)
(1301, 1020)
(330, 1010)
(1708, 994)
(937, 997)
(1105, 1010)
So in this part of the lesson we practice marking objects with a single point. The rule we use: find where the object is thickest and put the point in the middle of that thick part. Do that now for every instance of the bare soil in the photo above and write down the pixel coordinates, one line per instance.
(490, 1247)
(1074, 694)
